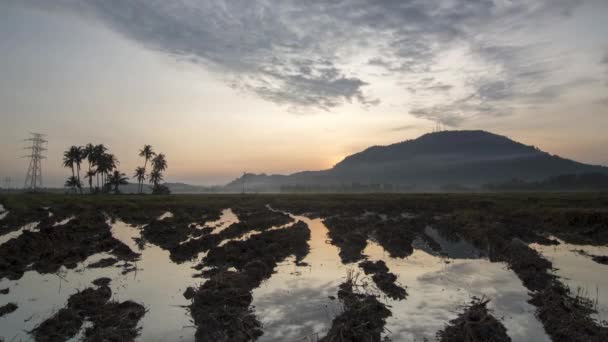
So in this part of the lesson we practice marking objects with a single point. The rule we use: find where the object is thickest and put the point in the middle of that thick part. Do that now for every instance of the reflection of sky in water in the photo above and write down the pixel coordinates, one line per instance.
(3, 212)
(294, 302)
(33, 226)
(580, 272)
(158, 284)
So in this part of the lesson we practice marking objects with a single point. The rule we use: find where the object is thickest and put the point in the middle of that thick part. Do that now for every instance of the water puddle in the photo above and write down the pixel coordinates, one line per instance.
(165, 215)
(296, 302)
(3, 212)
(454, 248)
(439, 287)
(584, 276)
(157, 283)
(64, 221)
(227, 218)
(31, 227)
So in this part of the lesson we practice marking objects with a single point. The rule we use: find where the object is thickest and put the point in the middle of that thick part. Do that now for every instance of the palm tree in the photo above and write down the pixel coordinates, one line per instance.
(106, 163)
(88, 153)
(78, 158)
(98, 152)
(69, 158)
(116, 179)
(159, 162)
(90, 174)
(74, 183)
(140, 174)
(156, 176)
(147, 153)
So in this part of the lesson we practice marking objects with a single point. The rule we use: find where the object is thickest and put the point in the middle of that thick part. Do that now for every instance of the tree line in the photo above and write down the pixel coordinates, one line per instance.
(102, 172)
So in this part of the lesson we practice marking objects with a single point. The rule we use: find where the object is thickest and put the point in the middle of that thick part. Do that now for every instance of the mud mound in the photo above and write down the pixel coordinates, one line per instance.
(566, 317)
(363, 318)
(473, 325)
(220, 307)
(257, 218)
(267, 248)
(47, 250)
(105, 262)
(111, 321)
(384, 280)
(7, 309)
(351, 233)
(600, 259)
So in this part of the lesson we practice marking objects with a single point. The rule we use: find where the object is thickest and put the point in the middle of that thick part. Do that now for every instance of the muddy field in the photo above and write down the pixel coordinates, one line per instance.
(488, 267)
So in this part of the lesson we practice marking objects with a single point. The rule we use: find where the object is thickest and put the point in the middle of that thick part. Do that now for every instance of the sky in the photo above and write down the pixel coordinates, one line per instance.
(227, 86)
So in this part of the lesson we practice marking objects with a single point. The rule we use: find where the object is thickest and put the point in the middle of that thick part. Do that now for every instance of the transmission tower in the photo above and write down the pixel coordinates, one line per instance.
(7, 182)
(33, 178)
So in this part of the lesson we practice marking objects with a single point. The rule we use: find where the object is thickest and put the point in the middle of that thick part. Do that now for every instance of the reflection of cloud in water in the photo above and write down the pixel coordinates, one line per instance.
(294, 302)
(439, 287)
(580, 272)
(158, 284)
(296, 311)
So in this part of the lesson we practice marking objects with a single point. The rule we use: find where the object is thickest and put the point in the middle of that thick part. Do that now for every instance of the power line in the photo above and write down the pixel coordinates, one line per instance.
(33, 178)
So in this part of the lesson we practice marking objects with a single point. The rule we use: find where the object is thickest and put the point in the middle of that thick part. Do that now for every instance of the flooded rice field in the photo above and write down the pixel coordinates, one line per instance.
(277, 269)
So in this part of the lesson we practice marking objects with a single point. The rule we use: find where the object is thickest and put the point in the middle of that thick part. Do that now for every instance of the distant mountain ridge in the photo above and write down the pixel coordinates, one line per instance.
(470, 158)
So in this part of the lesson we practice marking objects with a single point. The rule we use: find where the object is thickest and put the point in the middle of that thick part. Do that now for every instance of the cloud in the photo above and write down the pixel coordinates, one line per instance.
(307, 53)
(403, 128)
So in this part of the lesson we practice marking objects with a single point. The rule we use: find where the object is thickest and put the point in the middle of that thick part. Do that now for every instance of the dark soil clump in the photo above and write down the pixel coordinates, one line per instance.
(220, 307)
(105, 262)
(112, 321)
(104, 281)
(49, 249)
(371, 267)
(5, 291)
(266, 249)
(566, 317)
(474, 324)
(383, 278)
(363, 318)
(257, 218)
(7, 309)
(600, 259)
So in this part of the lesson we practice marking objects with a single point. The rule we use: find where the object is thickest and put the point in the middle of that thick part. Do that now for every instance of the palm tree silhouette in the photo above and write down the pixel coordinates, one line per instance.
(98, 152)
(106, 163)
(159, 162)
(73, 157)
(90, 174)
(156, 176)
(74, 183)
(140, 174)
(116, 179)
(88, 153)
(147, 153)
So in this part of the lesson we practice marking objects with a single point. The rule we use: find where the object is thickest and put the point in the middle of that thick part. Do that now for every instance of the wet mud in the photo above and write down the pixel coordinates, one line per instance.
(221, 306)
(50, 248)
(363, 318)
(110, 321)
(231, 261)
(476, 323)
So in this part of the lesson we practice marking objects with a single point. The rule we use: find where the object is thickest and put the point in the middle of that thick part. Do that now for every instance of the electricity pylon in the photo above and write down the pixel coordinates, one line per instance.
(7, 182)
(33, 178)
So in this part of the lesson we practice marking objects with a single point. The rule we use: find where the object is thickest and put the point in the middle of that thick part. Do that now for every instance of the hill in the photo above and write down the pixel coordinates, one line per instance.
(466, 158)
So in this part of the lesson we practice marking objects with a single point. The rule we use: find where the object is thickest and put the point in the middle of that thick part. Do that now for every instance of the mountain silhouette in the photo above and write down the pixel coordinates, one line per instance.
(469, 158)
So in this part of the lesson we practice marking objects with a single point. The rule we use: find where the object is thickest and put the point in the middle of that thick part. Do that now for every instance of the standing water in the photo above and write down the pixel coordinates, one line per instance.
(298, 302)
